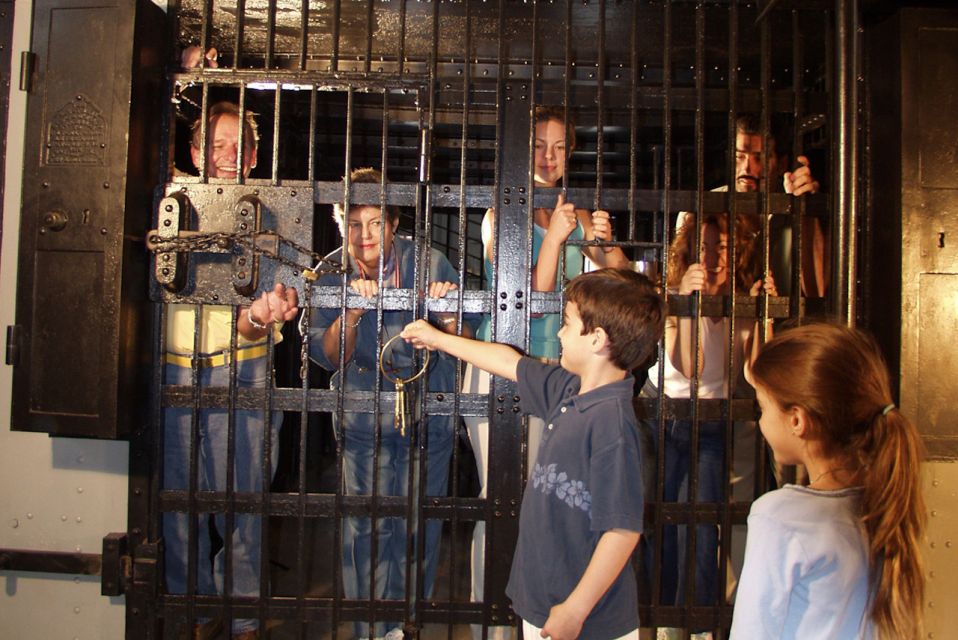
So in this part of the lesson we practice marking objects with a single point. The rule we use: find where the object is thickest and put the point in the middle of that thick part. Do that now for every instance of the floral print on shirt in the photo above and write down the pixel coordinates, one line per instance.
(573, 492)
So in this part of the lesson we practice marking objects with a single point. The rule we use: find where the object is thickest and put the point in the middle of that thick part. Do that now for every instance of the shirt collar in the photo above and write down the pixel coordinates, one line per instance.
(621, 389)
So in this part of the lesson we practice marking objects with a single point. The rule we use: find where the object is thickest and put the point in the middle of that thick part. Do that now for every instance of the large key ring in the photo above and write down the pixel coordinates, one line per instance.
(398, 380)
(400, 384)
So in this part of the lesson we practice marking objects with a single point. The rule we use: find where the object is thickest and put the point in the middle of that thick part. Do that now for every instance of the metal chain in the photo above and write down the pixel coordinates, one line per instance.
(304, 327)
(222, 240)
(201, 242)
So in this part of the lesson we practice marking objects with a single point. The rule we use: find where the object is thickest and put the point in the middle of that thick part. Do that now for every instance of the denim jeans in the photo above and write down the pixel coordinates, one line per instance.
(211, 466)
(393, 480)
(677, 450)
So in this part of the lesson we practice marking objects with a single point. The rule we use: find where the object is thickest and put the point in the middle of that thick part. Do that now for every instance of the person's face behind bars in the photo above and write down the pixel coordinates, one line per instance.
(714, 257)
(222, 148)
(550, 152)
(750, 162)
(363, 228)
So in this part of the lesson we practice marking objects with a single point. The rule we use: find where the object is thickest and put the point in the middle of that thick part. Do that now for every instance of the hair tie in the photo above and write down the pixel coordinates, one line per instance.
(887, 409)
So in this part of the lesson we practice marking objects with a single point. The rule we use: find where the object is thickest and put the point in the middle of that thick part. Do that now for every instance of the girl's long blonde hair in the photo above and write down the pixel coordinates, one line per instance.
(837, 375)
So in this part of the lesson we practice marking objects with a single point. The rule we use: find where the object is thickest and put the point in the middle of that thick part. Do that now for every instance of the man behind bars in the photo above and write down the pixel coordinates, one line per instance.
(252, 323)
(750, 176)
(374, 442)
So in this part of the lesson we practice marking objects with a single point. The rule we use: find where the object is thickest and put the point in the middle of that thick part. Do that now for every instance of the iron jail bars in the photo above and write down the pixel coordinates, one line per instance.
(440, 95)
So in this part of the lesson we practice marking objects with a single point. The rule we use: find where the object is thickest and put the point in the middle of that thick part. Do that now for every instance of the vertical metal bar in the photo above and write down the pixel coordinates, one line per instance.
(798, 208)
(304, 36)
(265, 481)
(846, 192)
(206, 26)
(241, 137)
(634, 148)
(512, 247)
(303, 442)
(311, 153)
(230, 488)
(761, 457)
(728, 467)
(192, 533)
(277, 123)
(566, 87)
(270, 33)
(694, 449)
(497, 177)
(378, 388)
(341, 395)
(204, 130)
(157, 414)
(367, 61)
(423, 266)
(600, 106)
(240, 32)
(401, 55)
(461, 268)
(334, 61)
(664, 252)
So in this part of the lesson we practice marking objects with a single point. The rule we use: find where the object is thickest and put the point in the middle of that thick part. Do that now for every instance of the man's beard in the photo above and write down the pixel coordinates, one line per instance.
(747, 183)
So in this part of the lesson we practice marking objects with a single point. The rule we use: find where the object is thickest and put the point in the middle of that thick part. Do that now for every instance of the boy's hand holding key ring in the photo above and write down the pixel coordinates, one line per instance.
(400, 384)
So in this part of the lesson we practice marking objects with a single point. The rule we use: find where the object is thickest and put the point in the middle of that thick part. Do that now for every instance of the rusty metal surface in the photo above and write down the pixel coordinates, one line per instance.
(929, 196)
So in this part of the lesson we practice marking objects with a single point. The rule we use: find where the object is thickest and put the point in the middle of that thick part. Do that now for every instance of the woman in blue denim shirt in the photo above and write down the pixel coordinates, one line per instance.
(362, 231)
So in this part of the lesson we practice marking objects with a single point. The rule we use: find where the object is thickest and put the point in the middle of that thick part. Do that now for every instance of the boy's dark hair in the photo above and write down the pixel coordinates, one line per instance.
(363, 175)
(627, 306)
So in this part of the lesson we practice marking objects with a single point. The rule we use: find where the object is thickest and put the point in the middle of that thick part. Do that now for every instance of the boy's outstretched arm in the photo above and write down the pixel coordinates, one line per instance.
(609, 558)
(498, 359)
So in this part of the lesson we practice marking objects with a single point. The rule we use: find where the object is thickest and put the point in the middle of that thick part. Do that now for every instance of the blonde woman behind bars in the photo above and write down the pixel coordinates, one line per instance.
(552, 228)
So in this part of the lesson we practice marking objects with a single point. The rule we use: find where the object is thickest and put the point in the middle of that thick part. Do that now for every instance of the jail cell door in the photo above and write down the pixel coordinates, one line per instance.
(443, 99)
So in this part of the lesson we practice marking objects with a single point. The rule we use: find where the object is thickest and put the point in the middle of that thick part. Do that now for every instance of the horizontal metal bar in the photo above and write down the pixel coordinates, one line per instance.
(319, 400)
(84, 564)
(741, 409)
(320, 505)
(318, 609)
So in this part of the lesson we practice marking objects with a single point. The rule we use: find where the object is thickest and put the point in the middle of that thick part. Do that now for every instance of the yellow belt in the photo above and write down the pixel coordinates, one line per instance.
(215, 359)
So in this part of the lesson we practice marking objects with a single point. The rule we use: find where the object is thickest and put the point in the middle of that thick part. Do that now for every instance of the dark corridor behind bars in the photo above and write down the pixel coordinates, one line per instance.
(441, 96)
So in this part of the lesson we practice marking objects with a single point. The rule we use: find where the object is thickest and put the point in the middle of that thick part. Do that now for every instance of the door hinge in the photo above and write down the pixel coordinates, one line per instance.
(14, 335)
(115, 572)
(123, 572)
(28, 61)
(147, 568)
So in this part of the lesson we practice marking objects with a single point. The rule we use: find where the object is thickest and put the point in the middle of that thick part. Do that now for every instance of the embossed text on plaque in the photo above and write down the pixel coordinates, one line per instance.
(76, 134)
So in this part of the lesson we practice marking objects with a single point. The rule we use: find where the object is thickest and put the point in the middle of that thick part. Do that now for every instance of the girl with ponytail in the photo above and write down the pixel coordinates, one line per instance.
(839, 558)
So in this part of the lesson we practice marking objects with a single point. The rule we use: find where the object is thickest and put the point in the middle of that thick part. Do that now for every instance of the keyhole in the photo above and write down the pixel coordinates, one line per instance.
(941, 239)
(86, 216)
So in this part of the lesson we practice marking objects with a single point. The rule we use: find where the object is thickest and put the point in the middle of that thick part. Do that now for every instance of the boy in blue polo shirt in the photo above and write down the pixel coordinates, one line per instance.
(582, 508)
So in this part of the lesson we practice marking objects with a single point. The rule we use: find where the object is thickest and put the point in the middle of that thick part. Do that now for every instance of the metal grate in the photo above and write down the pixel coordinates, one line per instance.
(440, 96)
